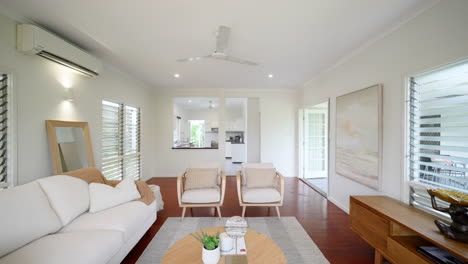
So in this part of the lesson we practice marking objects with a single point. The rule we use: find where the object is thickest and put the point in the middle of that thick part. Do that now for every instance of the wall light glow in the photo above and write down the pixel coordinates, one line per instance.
(66, 82)
(69, 95)
(68, 78)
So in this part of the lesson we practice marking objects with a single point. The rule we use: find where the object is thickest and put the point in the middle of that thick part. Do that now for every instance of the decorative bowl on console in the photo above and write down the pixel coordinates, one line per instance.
(458, 211)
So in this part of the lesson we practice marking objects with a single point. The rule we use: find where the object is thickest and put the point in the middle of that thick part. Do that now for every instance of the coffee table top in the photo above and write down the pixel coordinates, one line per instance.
(260, 249)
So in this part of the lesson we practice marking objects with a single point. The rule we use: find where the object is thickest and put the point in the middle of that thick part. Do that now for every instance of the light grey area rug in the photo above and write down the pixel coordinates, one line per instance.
(296, 244)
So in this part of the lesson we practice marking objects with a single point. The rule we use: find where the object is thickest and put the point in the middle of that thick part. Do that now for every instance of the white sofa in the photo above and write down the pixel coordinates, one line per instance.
(48, 222)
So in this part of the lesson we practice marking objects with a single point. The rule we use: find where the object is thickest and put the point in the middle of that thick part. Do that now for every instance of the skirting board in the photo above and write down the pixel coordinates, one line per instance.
(342, 207)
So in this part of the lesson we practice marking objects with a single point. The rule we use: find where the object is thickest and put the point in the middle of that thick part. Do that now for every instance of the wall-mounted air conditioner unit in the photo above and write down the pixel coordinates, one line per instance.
(36, 41)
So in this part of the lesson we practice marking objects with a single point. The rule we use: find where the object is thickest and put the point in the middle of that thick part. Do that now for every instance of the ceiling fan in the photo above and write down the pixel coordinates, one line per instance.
(222, 39)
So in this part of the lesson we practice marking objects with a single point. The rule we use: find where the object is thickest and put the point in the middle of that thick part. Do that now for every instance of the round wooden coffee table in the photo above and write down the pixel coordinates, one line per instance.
(260, 249)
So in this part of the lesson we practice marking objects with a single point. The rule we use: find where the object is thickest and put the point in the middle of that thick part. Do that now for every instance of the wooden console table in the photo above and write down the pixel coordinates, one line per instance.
(396, 229)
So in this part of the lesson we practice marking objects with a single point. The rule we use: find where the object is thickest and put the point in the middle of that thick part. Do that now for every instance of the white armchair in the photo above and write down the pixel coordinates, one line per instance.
(212, 196)
(269, 196)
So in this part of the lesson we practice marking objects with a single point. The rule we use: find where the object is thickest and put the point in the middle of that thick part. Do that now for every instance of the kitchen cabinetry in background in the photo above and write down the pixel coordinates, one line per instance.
(238, 152)
(236, 125)
(211, 126)
(228, 148)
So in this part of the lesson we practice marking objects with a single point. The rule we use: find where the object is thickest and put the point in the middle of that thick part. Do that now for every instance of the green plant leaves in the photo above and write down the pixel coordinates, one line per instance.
(208, 242)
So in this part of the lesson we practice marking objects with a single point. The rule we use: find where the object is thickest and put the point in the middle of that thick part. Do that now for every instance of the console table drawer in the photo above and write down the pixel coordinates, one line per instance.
(370, 226)
(405, 249)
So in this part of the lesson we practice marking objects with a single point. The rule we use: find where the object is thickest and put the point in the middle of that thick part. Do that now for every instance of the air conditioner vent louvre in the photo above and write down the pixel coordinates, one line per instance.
(67, 63)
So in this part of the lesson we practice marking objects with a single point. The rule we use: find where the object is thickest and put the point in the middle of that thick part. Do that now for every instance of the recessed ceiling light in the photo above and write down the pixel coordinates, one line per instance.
(190, 59)
(270, 75)
(176, 75)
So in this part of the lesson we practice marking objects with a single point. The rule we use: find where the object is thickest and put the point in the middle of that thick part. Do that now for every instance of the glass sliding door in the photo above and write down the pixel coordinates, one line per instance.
(315, 146)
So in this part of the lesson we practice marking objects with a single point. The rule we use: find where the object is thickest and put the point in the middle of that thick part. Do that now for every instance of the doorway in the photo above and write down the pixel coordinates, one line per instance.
(242, 132)
(315, 147)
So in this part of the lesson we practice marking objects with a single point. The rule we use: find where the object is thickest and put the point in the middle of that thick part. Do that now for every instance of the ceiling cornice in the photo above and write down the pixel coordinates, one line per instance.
(394, 27)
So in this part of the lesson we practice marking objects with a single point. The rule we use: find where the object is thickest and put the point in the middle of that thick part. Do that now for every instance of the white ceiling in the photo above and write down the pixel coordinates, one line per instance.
(196, 103)
(293, 39)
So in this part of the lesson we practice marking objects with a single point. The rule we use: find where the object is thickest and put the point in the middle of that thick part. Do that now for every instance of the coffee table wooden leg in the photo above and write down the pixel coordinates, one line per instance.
(243, 211)
(183, 214)
(277, 211)
(219, 211)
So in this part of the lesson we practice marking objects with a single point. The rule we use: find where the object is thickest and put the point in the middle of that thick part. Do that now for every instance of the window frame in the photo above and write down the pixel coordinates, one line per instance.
(122, 157)
(201, 139)
(406, 183)
(12, 144)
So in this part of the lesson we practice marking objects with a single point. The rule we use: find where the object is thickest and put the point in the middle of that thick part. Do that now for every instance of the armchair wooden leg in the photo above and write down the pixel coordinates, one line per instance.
(183, 214)
(378, 258)
(277, 212)
(219, 212)
(243, 211)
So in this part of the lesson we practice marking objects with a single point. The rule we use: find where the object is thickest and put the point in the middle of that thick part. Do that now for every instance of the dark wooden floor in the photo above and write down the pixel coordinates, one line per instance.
(326, 224)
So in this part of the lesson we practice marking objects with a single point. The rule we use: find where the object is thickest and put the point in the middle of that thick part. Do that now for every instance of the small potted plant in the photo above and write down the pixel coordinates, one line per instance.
(210, 251)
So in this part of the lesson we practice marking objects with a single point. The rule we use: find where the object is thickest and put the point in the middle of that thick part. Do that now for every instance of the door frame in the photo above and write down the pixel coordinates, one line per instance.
(307, 134)
(301, 142)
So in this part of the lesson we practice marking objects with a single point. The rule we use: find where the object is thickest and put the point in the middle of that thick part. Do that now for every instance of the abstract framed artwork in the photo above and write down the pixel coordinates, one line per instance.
(359, 136)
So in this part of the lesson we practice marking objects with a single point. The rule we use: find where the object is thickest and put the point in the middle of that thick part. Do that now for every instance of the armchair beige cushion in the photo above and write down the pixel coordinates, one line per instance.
(205, 195)
(244, 166)
(261, 177)
(200, 178)
(260, 195)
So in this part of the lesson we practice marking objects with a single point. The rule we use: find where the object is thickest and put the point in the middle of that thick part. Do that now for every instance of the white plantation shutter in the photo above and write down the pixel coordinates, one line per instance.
(438, 129)
(131, 143)
(120, 141)
(112, 133)
(3, 130)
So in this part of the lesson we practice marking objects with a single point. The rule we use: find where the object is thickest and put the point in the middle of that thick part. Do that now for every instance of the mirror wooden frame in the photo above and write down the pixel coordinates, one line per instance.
(53, 145)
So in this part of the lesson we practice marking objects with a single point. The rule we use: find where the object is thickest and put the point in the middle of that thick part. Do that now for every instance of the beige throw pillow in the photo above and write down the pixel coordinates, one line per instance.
(198, 178)
(261, 177)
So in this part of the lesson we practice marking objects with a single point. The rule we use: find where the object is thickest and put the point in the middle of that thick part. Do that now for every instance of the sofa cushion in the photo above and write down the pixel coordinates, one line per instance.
(125, 218)
(68, 196)
(206, 195)
(260, 195)
(88, 174)
(92, 247)
(253, 165)
(26, 215)
(198, 178)
(261, 177)
(103, 196)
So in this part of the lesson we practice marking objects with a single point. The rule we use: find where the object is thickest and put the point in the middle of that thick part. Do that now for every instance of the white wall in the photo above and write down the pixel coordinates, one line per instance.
(278, 130)
(39, 87)
(253, 130)
(436, 37)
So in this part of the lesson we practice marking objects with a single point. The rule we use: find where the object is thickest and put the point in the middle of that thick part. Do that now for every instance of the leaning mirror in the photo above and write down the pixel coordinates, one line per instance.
(70, 145)
(195, 123)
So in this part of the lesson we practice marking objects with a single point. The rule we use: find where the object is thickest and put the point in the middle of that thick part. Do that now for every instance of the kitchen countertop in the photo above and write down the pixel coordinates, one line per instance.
(235, 142)
(193, 148)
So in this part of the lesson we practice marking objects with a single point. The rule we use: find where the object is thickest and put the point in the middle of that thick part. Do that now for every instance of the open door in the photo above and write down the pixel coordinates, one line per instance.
(315, 146)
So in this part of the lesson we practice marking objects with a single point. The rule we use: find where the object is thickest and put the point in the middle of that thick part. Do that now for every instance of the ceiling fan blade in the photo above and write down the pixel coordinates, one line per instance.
(232, 59)
(222, 38)
(190, 59)
(241, 61)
